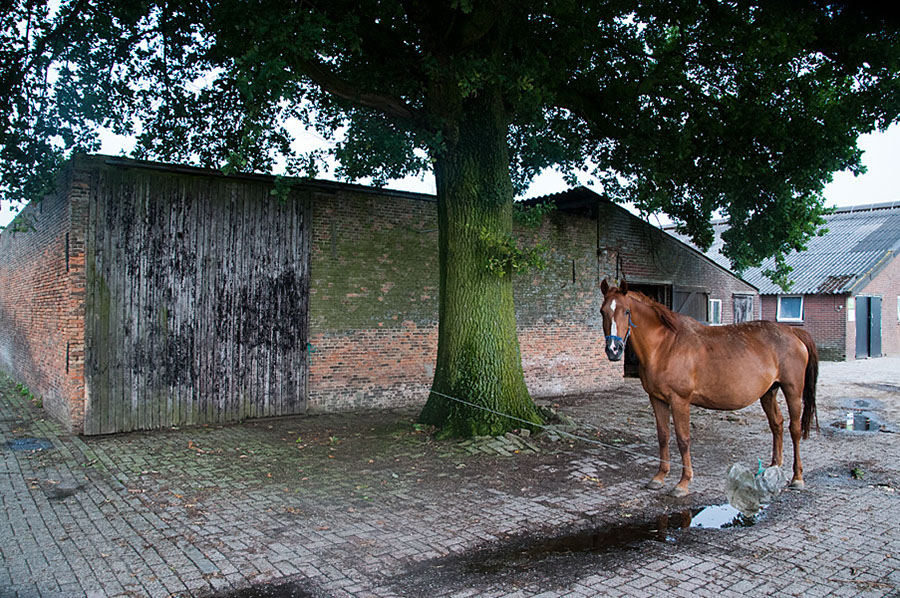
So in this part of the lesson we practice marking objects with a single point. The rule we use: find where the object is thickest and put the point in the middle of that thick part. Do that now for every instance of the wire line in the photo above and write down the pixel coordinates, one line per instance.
(557, 431)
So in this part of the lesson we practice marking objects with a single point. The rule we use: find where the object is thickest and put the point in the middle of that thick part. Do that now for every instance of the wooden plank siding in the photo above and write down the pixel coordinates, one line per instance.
(197, 301)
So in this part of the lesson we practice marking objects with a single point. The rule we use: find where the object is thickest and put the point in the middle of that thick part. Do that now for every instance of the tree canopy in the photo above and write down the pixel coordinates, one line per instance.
(684, 108)
(745, 107)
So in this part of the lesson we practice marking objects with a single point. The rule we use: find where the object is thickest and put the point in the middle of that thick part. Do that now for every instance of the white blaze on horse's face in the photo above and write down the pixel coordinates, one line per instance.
(615, 344)
(613, 329)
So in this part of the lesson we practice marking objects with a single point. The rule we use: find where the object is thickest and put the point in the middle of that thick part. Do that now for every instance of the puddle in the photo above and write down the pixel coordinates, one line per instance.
(553, 561)
(520, 552)
(289, 589)
(722, 517)
(29, 444)
(860, 421)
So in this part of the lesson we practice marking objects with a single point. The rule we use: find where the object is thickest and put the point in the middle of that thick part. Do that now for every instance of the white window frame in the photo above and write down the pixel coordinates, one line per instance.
(778, 316)
(713, 311)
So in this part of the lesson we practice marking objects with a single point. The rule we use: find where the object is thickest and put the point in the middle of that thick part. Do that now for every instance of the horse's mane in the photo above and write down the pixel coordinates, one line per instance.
(669, 318)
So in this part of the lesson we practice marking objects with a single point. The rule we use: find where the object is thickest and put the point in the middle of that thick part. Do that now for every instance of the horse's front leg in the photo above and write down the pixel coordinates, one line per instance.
(681, 414)
(661, 411)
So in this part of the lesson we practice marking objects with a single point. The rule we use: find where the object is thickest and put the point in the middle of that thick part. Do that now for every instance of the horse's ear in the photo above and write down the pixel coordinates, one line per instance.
(623, 286)
(604, 287)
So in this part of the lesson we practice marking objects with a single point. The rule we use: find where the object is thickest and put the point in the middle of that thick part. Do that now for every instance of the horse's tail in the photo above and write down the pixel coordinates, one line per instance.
(809, 382)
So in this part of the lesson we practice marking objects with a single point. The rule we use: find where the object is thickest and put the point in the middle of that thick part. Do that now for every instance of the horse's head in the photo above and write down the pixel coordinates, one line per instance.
(617, 323)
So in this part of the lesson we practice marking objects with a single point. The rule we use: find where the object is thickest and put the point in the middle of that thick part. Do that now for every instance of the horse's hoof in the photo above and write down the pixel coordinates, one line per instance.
(679, 492)
(654, 485)
(797, 485)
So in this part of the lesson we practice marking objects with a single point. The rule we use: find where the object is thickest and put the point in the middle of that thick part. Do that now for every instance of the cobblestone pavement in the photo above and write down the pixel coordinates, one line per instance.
(371, 505)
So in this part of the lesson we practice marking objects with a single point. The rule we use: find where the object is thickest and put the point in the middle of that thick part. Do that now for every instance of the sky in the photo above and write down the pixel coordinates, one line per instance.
(880, 184)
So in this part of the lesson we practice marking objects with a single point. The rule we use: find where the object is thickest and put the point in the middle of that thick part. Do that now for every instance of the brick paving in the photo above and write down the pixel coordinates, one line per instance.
(371, 506)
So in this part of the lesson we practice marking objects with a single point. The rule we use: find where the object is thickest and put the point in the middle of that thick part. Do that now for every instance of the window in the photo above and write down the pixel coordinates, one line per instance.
(790, 308)
(715, 311)
(742, 308)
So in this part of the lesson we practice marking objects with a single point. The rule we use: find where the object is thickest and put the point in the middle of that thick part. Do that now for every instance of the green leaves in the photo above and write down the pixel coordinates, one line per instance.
(690, 108)
(504, 256)
(532, 216)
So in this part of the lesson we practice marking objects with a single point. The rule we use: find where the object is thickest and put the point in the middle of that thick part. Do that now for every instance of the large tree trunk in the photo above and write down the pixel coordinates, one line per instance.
(478, 358)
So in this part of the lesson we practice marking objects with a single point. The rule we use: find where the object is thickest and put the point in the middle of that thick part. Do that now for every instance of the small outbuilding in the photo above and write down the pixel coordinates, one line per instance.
(846, 285)
(143, 295)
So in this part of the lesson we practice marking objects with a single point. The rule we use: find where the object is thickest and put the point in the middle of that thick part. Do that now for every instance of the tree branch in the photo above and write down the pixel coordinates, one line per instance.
(588, 107)
(333, 84)
(53, 36)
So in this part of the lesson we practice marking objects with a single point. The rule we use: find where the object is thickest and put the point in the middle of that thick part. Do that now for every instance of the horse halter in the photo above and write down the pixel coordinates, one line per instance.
(627, 331)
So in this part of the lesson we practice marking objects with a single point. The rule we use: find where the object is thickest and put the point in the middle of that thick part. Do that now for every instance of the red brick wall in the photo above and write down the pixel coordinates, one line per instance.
(373, 300)
(42, 301)
(825, 318)
(558, 311)
(374, 284)
(651, 255)
(887, 286)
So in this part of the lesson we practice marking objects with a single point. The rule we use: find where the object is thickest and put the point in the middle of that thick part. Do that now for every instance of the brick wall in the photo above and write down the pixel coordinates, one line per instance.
(373, 295)
(373, 300)
(558, 311)
(374, 284)
(886, 285)
(42, 300)
(825, 318)
(651, 255)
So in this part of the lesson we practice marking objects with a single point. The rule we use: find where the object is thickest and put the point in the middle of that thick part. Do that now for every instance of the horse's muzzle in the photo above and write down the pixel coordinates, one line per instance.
(615, 350)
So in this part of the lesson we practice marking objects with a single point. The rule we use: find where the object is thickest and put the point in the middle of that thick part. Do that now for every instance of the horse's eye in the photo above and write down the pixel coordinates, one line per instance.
(627, 312)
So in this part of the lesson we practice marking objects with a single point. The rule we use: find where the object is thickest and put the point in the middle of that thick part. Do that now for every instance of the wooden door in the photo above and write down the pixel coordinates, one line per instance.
(874, 326)
(196, 302)
(862, 327)
(691, 302)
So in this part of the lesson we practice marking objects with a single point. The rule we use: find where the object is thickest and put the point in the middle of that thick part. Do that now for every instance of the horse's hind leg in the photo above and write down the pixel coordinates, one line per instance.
(662, 412)
(776, 424)
(793, 394)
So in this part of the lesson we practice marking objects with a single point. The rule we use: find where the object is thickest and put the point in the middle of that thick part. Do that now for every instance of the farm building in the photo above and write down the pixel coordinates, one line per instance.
(846, 285)
(142, 295)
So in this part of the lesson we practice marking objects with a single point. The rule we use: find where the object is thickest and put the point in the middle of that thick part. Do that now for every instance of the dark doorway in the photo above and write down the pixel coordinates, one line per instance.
(868, 327)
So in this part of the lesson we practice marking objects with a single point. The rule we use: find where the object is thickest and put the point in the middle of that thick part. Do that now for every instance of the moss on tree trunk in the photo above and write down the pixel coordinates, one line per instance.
(478, 357)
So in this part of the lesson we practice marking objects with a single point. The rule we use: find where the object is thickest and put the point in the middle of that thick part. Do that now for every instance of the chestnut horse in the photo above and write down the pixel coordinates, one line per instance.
(684, 363)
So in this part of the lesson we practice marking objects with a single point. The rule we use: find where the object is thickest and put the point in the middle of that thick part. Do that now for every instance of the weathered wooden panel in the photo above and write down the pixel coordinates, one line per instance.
(197, 301)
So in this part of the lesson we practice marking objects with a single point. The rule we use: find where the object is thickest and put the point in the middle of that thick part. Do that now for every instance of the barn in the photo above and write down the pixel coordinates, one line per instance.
(846, 285)
(144, 295)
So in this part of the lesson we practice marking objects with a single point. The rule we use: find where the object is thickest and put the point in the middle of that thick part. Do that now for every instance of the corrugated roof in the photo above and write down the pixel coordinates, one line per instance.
(858, 243)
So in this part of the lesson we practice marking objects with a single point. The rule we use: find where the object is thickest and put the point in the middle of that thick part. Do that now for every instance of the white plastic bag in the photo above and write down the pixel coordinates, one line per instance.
(746, 490)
